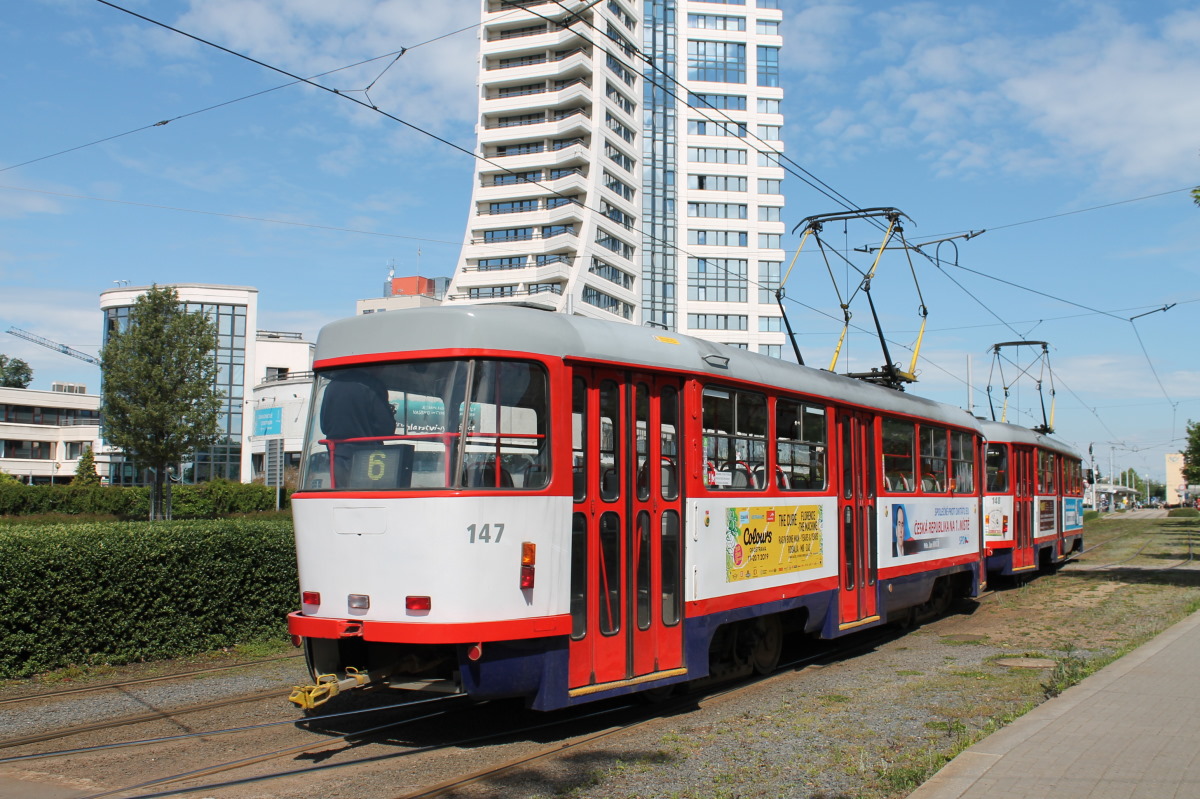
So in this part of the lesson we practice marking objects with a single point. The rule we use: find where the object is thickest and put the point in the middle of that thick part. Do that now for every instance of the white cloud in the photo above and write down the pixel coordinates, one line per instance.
(1081, 90)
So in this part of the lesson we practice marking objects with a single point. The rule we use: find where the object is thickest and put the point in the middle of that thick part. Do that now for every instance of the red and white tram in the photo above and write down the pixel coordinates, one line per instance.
(500, 501)
(1033, 500)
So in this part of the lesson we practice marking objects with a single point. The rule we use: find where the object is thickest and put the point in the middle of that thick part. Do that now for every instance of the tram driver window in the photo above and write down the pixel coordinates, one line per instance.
(997, 468)
(800, 446)
(420, 425)
(735, 439)
(898, 441)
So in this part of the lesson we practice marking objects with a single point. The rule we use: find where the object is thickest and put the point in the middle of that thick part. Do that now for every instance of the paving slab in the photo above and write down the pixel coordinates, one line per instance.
(1130, 730)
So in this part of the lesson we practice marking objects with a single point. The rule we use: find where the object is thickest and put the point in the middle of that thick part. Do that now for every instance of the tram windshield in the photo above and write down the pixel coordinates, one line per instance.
(421, 425)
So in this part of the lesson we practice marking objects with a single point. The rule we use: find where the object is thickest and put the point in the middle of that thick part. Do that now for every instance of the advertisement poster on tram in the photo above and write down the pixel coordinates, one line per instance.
(1046, 516)
(918, 528)
(996, 514)
(767, 541)
(1072, 513)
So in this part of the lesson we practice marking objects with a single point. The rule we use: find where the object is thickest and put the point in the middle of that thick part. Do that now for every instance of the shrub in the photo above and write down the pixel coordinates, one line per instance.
(117, 592)
(209, 500)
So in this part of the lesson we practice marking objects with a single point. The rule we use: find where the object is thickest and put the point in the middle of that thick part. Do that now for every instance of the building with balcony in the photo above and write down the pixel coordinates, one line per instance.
(629, 165)
(44, 433)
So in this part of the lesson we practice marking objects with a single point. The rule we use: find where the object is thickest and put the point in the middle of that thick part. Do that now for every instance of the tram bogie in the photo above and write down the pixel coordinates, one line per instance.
(504, 502)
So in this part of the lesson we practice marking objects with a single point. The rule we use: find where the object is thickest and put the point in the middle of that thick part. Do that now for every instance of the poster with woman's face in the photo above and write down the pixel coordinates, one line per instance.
(899, 530)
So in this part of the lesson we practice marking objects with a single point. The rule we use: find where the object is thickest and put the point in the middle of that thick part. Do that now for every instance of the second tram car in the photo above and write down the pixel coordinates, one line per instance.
(503, 502)
(1033, 500)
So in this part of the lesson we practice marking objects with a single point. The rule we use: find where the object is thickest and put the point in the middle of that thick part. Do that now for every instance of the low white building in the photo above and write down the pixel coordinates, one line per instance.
(44, 433)
(279, 399)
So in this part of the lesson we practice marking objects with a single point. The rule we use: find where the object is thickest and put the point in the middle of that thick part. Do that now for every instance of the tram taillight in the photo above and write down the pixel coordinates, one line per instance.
(417, 603)
(528, 561)
(311, 597)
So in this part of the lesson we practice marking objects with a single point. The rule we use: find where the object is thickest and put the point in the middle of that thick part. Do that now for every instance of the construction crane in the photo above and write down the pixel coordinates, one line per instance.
(53, 345)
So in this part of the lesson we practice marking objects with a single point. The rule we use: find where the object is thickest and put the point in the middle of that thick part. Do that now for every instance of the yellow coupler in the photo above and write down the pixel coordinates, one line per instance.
(328, 686)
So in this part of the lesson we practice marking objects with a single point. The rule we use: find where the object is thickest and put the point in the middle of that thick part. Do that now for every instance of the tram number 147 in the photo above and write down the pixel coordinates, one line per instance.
(484, 533)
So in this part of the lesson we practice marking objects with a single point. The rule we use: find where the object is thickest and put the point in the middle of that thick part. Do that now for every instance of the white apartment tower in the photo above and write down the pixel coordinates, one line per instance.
(630, 164)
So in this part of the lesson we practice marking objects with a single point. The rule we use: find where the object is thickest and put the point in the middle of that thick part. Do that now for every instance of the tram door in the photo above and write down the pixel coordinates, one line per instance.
(1024, 476)
(858, 524)
(626, 581)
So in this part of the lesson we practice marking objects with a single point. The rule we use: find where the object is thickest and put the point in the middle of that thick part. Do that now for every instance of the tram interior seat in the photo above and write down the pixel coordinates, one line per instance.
(483, 475)
(670, 479)
(898, 481)
(742, 478)
(610, 487)
(669, 485)
(930, 484)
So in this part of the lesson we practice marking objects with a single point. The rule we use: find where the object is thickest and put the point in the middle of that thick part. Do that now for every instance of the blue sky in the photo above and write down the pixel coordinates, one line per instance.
(1070, 131)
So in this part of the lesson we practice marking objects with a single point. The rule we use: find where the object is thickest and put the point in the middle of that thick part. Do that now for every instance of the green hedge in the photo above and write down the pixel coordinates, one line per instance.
(209, 500)
(118, 592)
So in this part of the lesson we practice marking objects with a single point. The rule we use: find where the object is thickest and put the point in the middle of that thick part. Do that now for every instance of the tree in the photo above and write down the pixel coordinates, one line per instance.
(158, 400)
(85, 470)
(14, 373)
(1191, 454)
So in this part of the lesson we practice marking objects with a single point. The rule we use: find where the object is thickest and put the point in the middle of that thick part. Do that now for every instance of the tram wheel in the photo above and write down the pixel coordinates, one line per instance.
(767, 634)
(942, 598)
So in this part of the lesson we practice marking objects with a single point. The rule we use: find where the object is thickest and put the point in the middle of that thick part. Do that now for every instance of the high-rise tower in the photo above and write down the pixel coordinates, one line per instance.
(630, 165)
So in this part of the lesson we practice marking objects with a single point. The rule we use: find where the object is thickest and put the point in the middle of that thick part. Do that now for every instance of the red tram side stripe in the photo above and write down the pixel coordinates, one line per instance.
(928, 565)
(403, 632)
(717, 604)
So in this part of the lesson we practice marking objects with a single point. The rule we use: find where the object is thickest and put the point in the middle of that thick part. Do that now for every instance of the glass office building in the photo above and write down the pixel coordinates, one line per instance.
(630, 164)
(233, 309)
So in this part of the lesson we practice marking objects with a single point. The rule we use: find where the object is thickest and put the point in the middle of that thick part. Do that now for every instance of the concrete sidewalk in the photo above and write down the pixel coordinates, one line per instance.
(1130, 730)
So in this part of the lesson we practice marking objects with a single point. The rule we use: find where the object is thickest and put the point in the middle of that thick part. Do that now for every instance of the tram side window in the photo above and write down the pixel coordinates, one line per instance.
(1045, 472)
(579, 581)
(579, 439)
(800, 446)
(962, 463)
(997, 468)
(610, 441)
(1075, 483)
(735, 439)
(933, 459)
(668, 435)
(898, 445)
(641, 404)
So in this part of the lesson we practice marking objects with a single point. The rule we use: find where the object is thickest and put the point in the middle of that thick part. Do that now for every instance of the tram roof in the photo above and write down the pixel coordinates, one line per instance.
(1016, 434)
(512, 328)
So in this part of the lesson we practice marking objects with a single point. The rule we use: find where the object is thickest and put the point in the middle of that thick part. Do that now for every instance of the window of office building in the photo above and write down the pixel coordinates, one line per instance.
(720, 62)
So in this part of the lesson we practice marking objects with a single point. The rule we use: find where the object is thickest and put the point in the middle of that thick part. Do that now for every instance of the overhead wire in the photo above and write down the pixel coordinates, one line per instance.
(394, 55)
(822, 187)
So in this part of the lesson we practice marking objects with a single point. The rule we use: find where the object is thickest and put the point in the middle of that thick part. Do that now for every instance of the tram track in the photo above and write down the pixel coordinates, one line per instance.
(140, 718)
(627, 717)
(122, 684)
